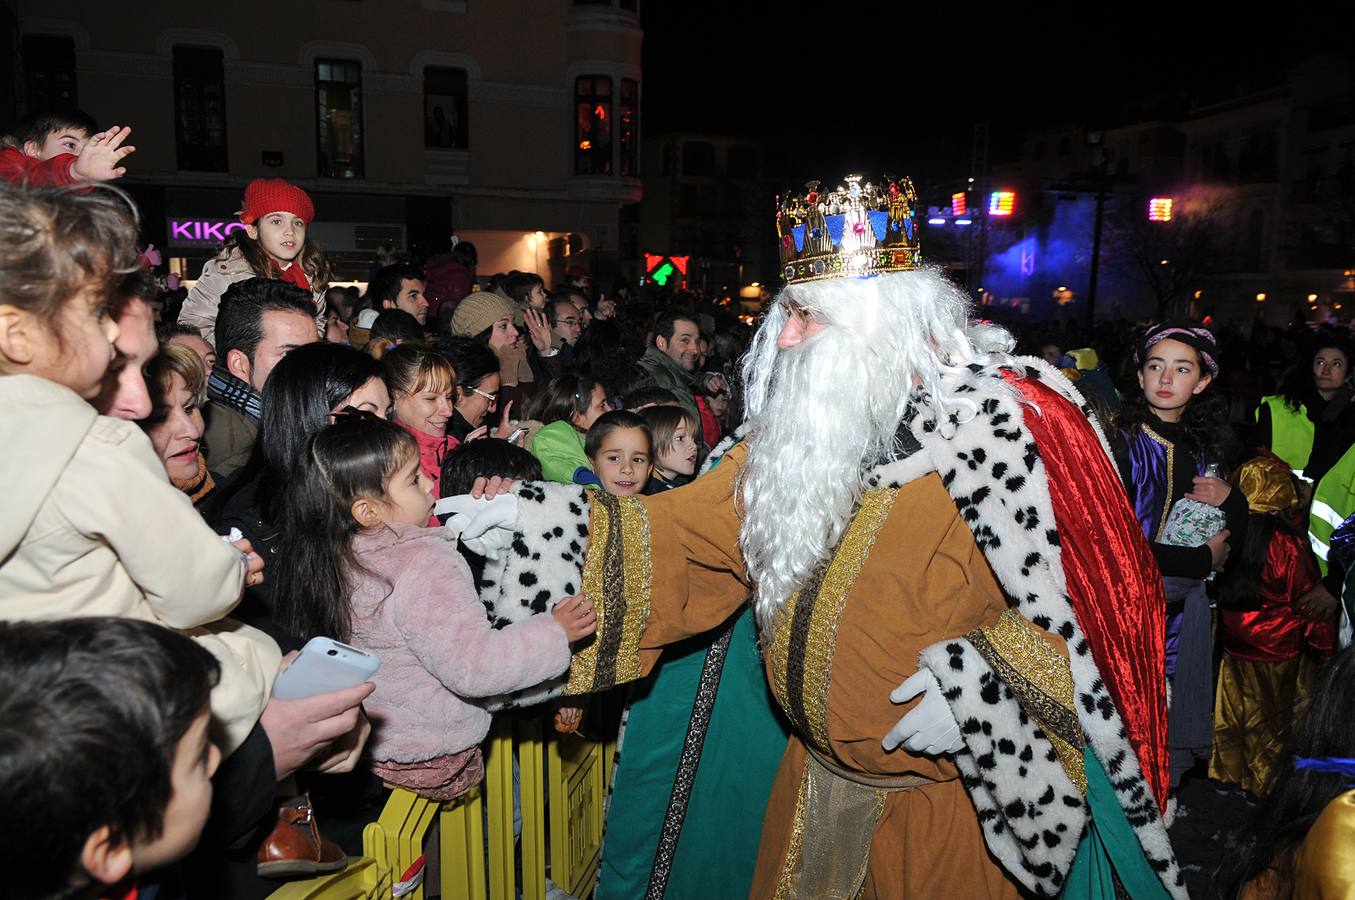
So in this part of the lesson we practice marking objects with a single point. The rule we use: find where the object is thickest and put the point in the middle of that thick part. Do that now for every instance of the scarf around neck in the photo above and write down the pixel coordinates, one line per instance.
(226, 389)
(198, 485)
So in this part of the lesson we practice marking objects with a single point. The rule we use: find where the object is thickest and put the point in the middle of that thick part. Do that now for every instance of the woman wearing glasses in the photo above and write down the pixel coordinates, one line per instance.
(476, 410)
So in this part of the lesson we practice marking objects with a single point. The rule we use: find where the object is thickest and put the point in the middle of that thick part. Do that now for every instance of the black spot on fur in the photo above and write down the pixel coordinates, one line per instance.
(527, 579)
(540, 600)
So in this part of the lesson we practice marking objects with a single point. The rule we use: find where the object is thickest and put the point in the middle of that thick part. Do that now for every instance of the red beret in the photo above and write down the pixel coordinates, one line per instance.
(270, 195)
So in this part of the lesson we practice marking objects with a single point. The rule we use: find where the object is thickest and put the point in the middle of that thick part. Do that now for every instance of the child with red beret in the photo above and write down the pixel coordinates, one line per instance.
(269, 243)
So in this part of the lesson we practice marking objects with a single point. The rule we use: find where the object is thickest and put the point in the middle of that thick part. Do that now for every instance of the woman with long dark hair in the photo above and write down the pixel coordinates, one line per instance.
(306, 387)
(1300, 839)
(1167, 436)
(478, 406)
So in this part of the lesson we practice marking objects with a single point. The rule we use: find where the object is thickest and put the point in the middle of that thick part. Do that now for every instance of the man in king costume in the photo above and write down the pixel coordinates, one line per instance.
(959, 614)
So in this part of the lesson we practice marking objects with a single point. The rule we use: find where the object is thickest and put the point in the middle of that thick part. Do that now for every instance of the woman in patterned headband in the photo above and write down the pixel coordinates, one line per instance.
(1168, 439)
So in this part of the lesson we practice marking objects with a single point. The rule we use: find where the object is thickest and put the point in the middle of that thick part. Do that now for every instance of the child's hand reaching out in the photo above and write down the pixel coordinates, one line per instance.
(576, 616)
(98, 161)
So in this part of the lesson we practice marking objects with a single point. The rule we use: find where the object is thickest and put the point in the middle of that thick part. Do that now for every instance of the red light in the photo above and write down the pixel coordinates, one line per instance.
(959, 204)
(652, 261)
(600, 111)
(680, 262)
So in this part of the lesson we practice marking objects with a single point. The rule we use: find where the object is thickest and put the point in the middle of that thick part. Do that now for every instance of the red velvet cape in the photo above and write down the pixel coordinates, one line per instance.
(1112, 578)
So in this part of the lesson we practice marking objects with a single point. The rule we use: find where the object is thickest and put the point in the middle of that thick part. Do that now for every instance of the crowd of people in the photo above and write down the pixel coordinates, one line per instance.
(206, 477)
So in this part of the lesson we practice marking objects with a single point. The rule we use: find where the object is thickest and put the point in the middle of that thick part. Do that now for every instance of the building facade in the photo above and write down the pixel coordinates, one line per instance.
(707, 197)
(511, 123)
(1261, 222)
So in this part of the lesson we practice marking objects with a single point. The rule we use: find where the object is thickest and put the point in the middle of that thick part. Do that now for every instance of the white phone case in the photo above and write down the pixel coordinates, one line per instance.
(325, 665)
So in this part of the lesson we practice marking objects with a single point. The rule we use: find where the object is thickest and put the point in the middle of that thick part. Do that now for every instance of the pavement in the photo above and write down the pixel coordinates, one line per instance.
(1209, 811)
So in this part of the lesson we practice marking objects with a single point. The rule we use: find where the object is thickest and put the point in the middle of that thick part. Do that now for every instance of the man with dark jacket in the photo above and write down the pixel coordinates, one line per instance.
(671, 359)
(259, 321)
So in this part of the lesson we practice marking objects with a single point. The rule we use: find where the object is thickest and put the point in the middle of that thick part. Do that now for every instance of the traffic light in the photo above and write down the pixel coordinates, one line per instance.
(1001, 203)
(661, 268)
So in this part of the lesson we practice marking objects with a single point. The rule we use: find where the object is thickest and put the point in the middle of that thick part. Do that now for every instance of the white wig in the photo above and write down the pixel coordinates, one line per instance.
(821, 414)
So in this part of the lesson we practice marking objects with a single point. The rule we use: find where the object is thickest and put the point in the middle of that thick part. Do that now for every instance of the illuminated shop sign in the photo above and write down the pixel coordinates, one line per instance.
(201, 232)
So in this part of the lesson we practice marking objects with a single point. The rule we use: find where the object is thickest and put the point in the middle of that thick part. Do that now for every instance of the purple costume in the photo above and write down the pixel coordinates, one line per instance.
(1154, 484)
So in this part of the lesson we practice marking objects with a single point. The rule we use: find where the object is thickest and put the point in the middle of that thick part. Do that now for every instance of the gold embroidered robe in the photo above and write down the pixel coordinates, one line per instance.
(907, 575)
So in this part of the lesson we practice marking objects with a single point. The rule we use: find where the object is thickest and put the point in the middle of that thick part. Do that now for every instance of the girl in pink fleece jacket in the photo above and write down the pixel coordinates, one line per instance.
(362, 567)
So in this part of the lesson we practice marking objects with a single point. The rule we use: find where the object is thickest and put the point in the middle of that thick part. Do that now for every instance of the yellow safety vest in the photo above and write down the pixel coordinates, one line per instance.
(1333, 502)
(1291, 433)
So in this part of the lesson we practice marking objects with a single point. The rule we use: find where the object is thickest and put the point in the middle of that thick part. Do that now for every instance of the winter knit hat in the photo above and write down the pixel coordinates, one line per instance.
(270, 195)
(479, 311)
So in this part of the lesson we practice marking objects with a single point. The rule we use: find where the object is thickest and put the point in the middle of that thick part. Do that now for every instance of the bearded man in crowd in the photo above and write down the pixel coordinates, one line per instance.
(927, 527)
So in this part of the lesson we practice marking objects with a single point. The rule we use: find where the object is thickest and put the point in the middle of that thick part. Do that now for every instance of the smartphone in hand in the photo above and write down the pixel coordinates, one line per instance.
(325, 665)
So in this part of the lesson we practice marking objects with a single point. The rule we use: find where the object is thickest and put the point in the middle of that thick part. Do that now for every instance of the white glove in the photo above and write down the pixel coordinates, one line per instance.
(484, 526)
(928, 728)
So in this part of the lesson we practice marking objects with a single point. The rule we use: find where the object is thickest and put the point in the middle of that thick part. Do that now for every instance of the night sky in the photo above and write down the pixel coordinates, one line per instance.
(908, 102)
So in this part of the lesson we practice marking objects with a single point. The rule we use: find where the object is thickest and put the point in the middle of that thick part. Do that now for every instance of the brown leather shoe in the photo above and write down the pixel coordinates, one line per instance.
(295, 847)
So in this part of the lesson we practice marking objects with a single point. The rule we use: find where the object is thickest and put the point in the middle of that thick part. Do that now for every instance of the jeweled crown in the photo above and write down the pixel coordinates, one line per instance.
(857, 229)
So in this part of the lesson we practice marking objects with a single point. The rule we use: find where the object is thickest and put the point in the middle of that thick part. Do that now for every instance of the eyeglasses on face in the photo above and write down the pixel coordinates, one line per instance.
(492, 398)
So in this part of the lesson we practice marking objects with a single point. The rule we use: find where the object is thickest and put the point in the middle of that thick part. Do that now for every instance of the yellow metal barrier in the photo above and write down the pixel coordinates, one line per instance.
(361, 880)
(562, 782)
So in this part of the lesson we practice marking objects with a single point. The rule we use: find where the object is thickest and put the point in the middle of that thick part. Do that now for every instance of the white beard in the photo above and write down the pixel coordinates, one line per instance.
(820, 415)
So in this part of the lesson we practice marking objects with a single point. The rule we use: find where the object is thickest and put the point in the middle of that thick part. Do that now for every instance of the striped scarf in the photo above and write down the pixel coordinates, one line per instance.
(226, 389)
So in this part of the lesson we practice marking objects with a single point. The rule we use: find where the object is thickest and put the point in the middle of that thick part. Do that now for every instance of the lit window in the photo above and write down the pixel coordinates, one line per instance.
(593, 125)
(338, 95)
